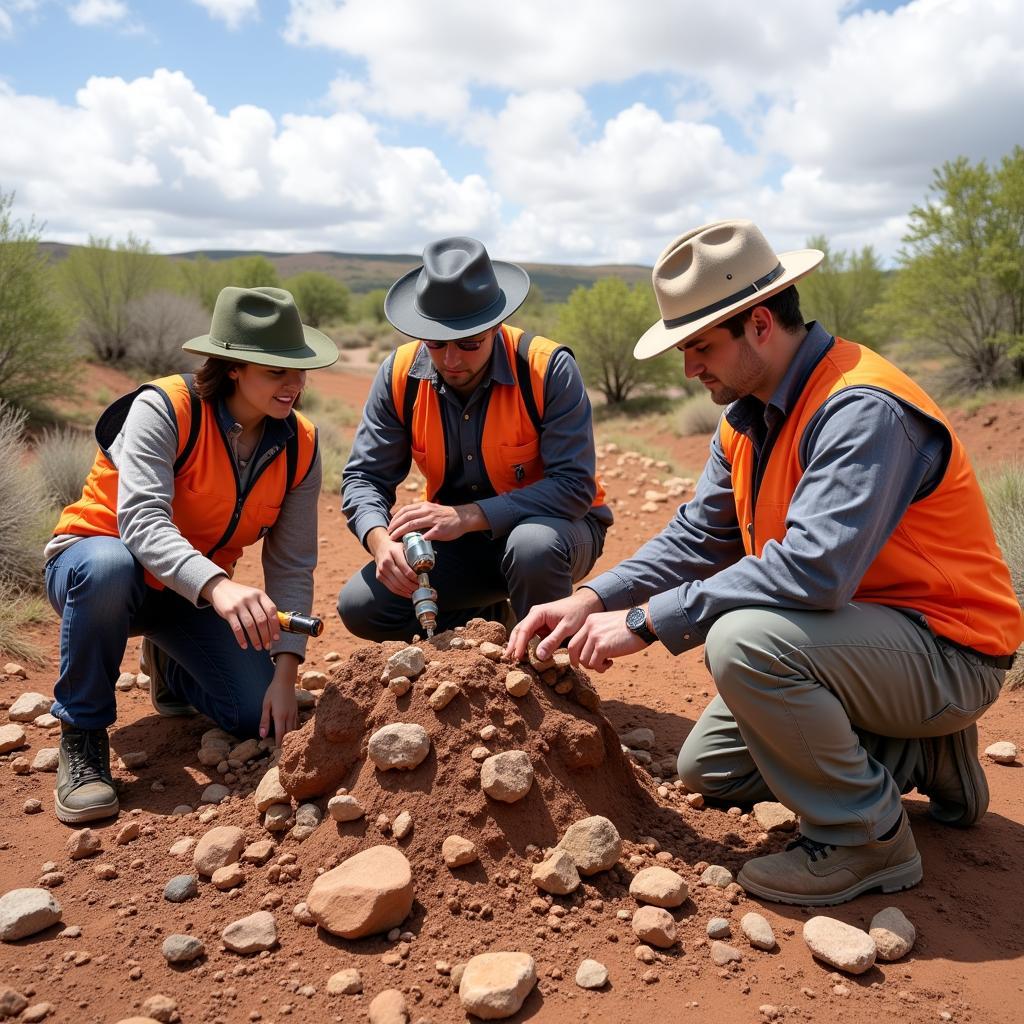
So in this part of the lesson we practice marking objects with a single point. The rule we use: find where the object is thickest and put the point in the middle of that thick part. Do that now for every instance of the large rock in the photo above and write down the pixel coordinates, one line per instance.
(661, 887)
(251, 934)
(1002, 752)
(591, 974)
(29, 706)
(12, 737)
(840, 945)
(507, 776)
(758, 931)
(409, 662)
(655, 926)
(495, 985)
(401, 745)
(369, 893)
(593, 843)
(220, 846)
(270, 791)
(557, 874)
(388, 1007)
(774, 817)
(24, 912)
(894, 935)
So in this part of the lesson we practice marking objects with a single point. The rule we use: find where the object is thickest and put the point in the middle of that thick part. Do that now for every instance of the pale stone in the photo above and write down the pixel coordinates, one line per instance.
(270, 791)
(388, 1007)
(301, 914)
(369, 893)
(1003, 752)
(443, 695)
(723, 954)
(182, 847)
(593, 843)
(488, 732)
(308, 816)
(458, 851)
(507, 776)
(401, 745)
(24, 912)
(277, 817)
(218, 848)
(719, 928)
(345, 808)
(717, 876)
(638, 739)
(128, 833)
(591, 974)
(840, 945)
(479, 753)
(758, 931)
(12, 1003)
(774, 817)
(409, 661)
(160, 1007)
(251, 934)
(29, 706)
(12, 668)
(83, 843)
(229, 877)
(36, 1012)
(46, 721)
(244, 751)
(345, 983)
(46, 760)
(142, 681)
(400, 685)
(259, 852)
(492, 651)
(654, 926)
(11, 737)
(210, 757)
(518, 682)
(215, 793)
(557, 874)
(661, 887)
(495, 985)
(125, 681)
(313, 680)
(894, 935)
(182, 949)
(402, 825)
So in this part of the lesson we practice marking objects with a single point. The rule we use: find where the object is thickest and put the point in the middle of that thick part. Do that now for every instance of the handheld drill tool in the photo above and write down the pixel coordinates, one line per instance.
(294, 622)
(419, 553)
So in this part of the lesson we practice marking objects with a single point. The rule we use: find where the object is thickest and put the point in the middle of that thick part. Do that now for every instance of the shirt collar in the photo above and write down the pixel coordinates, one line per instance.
(817, 342)
(499, 371)
(275, 431)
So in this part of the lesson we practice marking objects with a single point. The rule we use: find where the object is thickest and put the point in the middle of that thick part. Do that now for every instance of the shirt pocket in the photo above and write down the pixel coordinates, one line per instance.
(517, 464)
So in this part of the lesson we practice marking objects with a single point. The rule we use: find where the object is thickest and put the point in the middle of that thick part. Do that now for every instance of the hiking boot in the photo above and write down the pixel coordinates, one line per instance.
(954, 780)
(813, 874)
(153, 661)
(85, 788)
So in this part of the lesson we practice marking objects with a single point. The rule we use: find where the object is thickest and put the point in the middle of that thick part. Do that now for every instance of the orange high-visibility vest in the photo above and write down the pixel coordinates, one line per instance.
(941, 560)
(510, 446)
(207, 507)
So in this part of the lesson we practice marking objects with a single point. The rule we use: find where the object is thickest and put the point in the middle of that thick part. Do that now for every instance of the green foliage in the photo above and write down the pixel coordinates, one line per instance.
(36, 355)
(320, 297)
(961, 287)
(699, 415)
(601, 324)
(100, 280)
(203, 278)
(371, 306)
(538, 315)
(843, 292)
(250, 272)
(63, 459)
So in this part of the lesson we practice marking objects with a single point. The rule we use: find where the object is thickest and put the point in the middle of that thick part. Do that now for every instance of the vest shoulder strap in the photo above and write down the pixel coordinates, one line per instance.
(195, 422)
(300, 450)
(525, 379)
(404, 387)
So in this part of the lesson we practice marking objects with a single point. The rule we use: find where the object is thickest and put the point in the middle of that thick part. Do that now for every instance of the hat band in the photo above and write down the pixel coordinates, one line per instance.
(715, 307)
(243, 347)
(476, 314)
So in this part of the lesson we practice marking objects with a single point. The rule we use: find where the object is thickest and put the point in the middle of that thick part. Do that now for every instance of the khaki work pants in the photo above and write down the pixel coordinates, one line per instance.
(825, 712)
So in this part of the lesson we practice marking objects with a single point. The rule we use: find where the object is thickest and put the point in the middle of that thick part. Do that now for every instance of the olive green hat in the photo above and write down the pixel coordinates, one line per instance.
(262, 325)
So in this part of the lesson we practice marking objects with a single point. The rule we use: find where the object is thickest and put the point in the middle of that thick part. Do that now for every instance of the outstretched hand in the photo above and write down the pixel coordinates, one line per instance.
(436, 522)
(553, 622)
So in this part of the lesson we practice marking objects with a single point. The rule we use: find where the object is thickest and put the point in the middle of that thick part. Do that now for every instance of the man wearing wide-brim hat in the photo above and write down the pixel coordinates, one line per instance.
(836, 561)
(499, 425)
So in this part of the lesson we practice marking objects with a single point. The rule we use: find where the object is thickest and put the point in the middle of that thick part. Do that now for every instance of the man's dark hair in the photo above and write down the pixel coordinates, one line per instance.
(784, 306)
(212, 380)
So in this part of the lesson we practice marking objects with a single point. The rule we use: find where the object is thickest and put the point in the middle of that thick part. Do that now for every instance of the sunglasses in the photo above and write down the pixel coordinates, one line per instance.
(470, 345)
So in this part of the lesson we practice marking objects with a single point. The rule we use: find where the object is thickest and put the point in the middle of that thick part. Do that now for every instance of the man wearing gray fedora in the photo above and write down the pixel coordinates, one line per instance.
(837, 562)
(499, 425)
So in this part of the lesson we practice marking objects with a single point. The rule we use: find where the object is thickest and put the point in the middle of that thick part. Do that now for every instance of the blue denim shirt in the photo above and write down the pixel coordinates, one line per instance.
(867, 457)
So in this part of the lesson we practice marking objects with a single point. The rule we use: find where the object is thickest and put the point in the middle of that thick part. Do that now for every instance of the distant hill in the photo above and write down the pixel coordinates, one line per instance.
(363, 272)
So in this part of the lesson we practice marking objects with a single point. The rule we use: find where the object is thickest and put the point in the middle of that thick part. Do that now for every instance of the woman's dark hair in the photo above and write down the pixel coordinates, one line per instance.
(784, 306)
(212, 380)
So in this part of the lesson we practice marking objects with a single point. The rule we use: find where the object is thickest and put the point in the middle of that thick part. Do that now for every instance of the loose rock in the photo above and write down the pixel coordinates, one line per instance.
(46, 760)
(443, 695)
(388, 1007)
(270, 791)
(1003, 752)
(774, 817)
(758, 931)
(717, 876)
(251, 934)
(591, 974)
(83, 843)
(345, 808)
(655, 926)
(24, 912)
(638, 739)
(593, 843)
(507, 776)
(218, 848)
(893, 934)
(458, 851)
(719, 928)
(215, 793)
(409, 661)
(495, 985)
(11, 737)
(839, 944)
(160, 1007)
(182, 949)
(557, 874)
(661, 887)
(278, 818)
(518, 682)
(723, 954)
(401, 745)
(229, 877)
(181, 888)
(29, 706)
(345, 983)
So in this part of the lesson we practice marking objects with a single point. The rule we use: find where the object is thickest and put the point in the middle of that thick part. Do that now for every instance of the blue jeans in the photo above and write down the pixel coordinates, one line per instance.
(97, 588)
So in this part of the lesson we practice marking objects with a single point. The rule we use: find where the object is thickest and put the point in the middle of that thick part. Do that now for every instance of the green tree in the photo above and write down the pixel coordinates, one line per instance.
(601, 325)
(320, 297)
(370, 306)
(249, 272)
(36, 355)
(843, 292)
(961, 283)
(101, 279)
(201, 278)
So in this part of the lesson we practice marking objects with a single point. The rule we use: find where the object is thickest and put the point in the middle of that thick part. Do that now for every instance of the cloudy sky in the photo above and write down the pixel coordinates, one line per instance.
(578, 131)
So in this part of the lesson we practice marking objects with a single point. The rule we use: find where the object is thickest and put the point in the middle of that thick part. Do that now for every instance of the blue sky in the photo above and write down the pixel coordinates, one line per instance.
(579, 132)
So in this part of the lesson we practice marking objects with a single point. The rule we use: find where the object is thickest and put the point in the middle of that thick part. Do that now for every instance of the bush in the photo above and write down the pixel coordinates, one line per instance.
(22, 527)
(1004, 493)
(157, 324)
(63, 460)
(334, 449)
(699, 415)
(18, 610)
(320, 297)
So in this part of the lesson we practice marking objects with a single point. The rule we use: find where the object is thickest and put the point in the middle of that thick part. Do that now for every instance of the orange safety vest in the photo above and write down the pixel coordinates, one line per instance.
(510, 446)
(210, 512)
(941, 560)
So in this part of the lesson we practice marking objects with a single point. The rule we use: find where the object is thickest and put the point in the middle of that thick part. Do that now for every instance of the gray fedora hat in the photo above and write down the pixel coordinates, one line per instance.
(458, 292)
(712, 273)
(262, 325)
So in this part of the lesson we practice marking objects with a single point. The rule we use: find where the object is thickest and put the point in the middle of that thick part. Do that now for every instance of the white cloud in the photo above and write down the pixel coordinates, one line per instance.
(231, 12)
(97, 12)
(10, 8)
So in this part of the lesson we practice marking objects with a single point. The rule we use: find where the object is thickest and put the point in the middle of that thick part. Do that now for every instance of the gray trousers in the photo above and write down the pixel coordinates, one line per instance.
(538, 560)
(825, 712)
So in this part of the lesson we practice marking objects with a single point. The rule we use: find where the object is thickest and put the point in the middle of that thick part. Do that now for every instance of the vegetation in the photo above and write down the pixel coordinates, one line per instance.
(320, 297)
(22, 530)
(36, 356)
(698, 415)
(1004, 494)
(601, 325)
(157, 325)
(63, 459)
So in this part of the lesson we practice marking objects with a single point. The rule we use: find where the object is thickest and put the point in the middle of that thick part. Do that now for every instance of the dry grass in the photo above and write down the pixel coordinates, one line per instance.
(698, 415)
(63, 459)
(1004, 493)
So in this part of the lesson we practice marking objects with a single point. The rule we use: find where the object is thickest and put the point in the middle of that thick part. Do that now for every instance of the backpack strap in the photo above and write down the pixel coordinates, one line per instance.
(525, 380)
(196, 421)
(412, 389)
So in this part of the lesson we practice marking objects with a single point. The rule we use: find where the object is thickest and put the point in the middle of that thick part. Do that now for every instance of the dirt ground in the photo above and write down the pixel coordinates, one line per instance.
(966, 964)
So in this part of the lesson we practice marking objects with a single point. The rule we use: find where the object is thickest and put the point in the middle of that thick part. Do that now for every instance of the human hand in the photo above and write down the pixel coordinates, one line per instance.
(280, 705)
(436, 522)
(602, 638)
(553, 621)
(393, 569)
(249, 612)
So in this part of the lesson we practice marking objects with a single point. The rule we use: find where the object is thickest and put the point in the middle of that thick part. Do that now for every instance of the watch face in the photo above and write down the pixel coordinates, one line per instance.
(636, 619)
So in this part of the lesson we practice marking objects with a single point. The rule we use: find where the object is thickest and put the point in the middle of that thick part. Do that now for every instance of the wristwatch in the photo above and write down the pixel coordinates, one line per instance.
(636, 623)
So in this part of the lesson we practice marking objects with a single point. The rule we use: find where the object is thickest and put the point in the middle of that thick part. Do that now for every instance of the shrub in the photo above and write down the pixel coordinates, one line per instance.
(699, 415)
(18, 610)
(22, 528)
(1004, 493)
(63, 460)
(157, 324)
(320, 297)
(334, 448)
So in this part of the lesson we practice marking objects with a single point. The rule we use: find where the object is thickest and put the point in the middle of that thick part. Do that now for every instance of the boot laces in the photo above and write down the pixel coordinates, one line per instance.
(811, 847)
(88, 753)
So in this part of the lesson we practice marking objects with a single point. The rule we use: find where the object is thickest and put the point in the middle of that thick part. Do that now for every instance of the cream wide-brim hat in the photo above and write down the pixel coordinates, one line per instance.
(712, 273)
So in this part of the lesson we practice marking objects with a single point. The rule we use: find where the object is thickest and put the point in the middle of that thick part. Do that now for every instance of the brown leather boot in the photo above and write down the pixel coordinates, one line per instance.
(813, 874)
